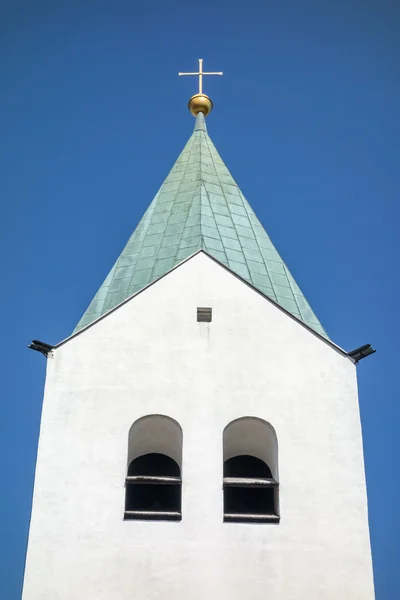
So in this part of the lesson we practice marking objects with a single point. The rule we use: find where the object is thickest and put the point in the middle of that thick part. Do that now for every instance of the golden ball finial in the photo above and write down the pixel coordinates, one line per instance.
(200, 103)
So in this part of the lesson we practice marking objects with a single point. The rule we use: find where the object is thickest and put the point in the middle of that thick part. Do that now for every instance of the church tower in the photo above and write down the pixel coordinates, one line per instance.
(200, 436)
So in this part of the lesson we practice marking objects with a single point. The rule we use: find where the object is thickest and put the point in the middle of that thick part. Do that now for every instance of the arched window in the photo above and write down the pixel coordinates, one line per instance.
(153, 482)
(251, 488)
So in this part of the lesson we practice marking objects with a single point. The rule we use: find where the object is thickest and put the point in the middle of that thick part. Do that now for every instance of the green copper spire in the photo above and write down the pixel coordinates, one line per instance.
(199, 206)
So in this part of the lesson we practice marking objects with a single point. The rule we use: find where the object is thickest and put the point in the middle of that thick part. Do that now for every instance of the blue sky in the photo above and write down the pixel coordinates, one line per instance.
(93, 116)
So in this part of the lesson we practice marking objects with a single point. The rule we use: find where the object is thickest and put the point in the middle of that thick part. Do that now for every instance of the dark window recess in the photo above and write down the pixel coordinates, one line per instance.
(153, 489)
(246, 500)
(153, 497)
(246, 466)
(250, 492)
(204, 315)
(154, 464)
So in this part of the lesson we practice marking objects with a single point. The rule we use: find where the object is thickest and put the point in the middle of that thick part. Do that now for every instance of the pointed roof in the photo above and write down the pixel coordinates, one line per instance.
(200, 206)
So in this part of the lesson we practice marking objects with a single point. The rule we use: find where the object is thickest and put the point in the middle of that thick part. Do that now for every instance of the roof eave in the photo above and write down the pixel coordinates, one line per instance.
(286, 312)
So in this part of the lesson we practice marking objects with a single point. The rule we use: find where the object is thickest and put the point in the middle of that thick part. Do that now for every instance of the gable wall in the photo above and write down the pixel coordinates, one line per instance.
(151, 356)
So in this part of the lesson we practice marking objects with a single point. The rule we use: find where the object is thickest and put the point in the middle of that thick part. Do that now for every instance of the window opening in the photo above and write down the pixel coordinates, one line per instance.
(204, 315)
(249, 494)
(153, 483)
(153, 488)
(250, 484)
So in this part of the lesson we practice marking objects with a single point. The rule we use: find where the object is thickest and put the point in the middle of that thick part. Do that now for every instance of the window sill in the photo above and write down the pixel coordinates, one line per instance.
(152, 515)
(249, 482)
(153, 479)
(248, 518)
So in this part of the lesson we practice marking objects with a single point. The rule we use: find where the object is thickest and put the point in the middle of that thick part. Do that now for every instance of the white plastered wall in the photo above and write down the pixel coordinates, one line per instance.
(151, 356)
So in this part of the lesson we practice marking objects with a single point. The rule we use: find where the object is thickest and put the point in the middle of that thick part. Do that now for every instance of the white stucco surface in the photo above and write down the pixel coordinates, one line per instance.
(151, 356)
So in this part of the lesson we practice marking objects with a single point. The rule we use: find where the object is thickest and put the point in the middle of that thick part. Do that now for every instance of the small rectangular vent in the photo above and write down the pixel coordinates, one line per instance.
(204, 315)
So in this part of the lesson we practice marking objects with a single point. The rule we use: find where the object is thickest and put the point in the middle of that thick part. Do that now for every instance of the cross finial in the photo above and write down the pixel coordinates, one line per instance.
(200, 74)
(200, 102)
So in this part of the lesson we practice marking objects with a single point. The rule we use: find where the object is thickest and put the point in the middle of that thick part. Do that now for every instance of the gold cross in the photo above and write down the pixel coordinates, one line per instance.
(200, 74)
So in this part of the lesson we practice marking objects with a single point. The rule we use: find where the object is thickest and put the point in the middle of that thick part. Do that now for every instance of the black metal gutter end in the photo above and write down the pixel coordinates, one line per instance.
(362, 352)
(41, 347)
